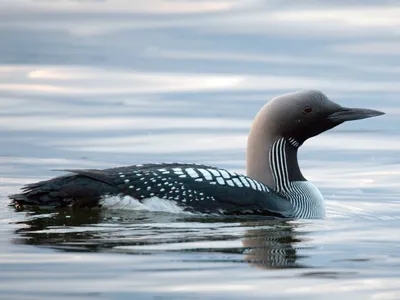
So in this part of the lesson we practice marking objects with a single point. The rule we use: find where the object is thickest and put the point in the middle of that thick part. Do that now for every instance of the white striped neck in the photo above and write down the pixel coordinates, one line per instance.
(289, 181)
(283, 164)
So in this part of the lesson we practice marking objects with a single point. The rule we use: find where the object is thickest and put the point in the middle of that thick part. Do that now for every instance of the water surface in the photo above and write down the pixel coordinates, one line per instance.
(95, 84)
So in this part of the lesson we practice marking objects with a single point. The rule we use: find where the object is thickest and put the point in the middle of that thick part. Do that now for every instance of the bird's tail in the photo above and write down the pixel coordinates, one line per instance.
(70, 190)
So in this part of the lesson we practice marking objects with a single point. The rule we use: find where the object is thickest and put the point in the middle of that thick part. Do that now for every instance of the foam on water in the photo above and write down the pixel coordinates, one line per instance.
(149, 204)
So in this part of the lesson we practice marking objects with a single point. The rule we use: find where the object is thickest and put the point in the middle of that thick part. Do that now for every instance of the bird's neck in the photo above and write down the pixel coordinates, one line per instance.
(284, 165)
(273, 162)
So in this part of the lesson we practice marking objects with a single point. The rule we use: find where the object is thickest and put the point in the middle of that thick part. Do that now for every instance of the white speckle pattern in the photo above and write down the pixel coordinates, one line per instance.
(224, 174)
(258, 185)
(244, 181)
(192, 173)
(189, 186)
(233, 174)
(220, 180)
(237, 182)
(206, 174)
(214, 172)
(253, 186)
(230, 182)
(177, 171)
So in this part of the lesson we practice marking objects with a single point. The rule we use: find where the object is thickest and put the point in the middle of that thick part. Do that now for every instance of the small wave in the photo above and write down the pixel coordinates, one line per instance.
(365, 210)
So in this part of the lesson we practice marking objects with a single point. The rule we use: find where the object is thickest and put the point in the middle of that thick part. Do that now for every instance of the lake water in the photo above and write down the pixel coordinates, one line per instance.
(95, 84)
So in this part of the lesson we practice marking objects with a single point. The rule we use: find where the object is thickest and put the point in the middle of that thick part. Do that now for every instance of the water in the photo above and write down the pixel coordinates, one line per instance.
(95, 84)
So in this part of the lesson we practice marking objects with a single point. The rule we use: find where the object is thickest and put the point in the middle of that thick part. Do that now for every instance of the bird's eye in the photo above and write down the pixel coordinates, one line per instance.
(307, 109)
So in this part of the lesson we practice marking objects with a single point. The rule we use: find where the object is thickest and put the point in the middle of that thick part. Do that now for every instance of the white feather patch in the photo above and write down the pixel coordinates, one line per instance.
(149, 204)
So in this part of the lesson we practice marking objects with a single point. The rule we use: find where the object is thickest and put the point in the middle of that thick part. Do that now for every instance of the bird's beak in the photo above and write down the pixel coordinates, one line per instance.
(350, 114)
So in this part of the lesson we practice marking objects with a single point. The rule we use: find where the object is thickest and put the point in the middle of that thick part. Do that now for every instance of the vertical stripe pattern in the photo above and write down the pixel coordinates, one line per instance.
(306, 198)
(278, 164)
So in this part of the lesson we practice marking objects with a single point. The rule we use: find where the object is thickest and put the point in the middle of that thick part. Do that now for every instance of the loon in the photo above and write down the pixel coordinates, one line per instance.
(274, 185)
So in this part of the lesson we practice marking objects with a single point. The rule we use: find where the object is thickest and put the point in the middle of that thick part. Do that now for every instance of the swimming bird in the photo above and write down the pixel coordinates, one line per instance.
(273, 186)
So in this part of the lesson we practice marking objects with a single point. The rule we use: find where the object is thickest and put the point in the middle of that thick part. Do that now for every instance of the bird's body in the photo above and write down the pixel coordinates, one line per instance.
(190, 188)
(274, 184)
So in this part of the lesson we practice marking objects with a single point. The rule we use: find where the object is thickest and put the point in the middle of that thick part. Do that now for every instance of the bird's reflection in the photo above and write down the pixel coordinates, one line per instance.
(265, 244)
(272, 247)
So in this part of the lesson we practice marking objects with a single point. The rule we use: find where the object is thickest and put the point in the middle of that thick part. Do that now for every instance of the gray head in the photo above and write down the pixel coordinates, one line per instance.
(304, 114)
(296, 117)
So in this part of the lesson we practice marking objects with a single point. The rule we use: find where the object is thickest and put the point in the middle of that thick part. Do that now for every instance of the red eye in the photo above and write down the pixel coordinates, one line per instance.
(307, 109)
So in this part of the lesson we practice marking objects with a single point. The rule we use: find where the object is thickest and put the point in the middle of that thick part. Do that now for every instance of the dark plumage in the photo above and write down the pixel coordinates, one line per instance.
(183, 183)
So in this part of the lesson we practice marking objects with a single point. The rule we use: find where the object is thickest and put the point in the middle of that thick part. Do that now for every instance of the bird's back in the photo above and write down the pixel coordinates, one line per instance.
(190, 187)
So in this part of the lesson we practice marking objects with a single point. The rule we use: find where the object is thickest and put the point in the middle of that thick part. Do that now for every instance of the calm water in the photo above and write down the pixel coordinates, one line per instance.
(95, 84)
